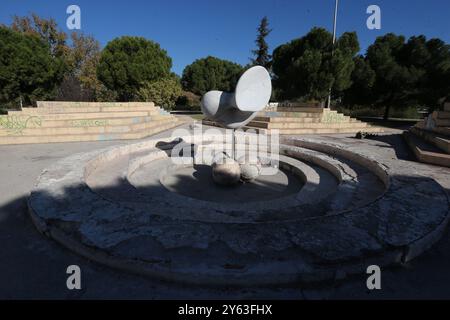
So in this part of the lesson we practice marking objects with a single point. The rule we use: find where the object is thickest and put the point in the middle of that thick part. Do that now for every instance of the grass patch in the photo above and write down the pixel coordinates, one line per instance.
(197, 117)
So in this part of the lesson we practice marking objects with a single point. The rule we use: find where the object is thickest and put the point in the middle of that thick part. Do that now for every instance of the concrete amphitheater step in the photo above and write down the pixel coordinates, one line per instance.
(438, 130)
(149, 190)
(286, 119)
(100, 121)
(280, 114)
(52, 110)
(300, 119)
(305, 121)
(443, 114)
(447, 106)
(63, 111)
(304, 109)
(296, 125)
(410, 217)
(45, 104)
(426, 152)
(367, 128)
(98, 127)
(359, 185)
(18, 115)
(142, 133)
(71, 110)
(442, 130)
(442, 122)
(440, 141)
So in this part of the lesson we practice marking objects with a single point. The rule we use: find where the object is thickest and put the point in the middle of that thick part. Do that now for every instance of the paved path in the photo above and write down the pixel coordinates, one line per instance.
(32, 266)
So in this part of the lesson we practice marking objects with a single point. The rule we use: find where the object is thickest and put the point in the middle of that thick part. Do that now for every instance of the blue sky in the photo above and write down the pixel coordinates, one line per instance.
(193, 29)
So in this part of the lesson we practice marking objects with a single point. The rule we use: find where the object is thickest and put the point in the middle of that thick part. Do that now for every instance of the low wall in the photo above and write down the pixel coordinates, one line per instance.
(69, 104)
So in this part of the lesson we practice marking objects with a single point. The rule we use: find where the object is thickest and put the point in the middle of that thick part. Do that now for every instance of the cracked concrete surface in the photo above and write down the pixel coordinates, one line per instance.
(38, 265)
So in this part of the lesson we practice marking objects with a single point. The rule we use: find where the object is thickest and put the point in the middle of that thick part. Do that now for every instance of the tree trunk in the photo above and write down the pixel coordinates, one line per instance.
(386, 112)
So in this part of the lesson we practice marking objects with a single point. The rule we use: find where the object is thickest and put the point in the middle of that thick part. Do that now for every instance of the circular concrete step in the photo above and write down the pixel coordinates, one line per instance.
(100, 205)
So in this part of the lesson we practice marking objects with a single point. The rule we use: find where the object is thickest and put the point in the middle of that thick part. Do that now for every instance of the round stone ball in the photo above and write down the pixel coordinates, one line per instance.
(226, 172)
(250, 169)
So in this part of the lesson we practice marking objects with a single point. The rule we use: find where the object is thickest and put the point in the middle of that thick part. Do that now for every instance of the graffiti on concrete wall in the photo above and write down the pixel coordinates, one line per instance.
(16, 124)
(333, 118)
(89, 123)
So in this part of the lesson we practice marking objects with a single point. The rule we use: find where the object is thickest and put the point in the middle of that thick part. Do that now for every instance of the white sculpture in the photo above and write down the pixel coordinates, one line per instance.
(250, 168)
(235, 110)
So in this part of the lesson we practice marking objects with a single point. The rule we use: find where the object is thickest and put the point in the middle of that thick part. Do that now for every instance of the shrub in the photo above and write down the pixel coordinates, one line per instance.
(188, 101)
(128, 63)
(163, 92)
(27, 68)
(210, 74)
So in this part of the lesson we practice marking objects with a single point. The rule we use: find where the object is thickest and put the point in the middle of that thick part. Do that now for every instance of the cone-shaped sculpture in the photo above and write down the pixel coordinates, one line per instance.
(235, 110)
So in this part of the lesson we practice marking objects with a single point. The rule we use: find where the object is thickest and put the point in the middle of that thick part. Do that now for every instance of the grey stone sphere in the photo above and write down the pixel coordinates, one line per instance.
(250, 169)
(226, 171)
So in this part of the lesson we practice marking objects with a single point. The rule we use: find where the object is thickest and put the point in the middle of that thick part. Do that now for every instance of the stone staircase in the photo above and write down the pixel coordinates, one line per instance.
(429, 139)
(54, 121)
(306, 120)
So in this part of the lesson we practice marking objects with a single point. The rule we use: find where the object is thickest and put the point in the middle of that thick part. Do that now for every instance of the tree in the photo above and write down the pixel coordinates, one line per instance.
(396, 78)
(164, 92)
(363, 79)
(262, 56)
(306, 68)
(84, 56)
(27, 67)
(433, 57)
(81, 57)
(80, 82)
(128, 62)
(46, 29)
(396, 73)
(188, 100)
(210, 73)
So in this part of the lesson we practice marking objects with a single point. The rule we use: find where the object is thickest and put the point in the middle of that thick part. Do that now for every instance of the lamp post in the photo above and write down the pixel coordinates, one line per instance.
(334, 41)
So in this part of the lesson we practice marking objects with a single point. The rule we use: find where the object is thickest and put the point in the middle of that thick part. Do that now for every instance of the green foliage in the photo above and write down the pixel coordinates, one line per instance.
(308, 67)
(188, 101)
(128, 62)
(432, 57)
(262, 56)
(371, 111)
(27, 68)
(46, 29)
(103, 94)
(363, 79)
(395, 80)
(81, 57)
(163, 92)
(210, 73)
(398, 74)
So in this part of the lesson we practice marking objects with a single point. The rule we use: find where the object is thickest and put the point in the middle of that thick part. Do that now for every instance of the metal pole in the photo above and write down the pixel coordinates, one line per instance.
(334, 41)
(335, 20)
(233, 145)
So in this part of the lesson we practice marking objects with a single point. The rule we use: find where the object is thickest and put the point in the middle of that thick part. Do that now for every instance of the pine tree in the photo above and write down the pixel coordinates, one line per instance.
(262, 56)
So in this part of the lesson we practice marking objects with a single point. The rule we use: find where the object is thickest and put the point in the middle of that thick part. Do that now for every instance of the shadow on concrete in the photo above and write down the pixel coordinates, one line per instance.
(197, 182)
(395, 142)
(33, 266)
(36, 266)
